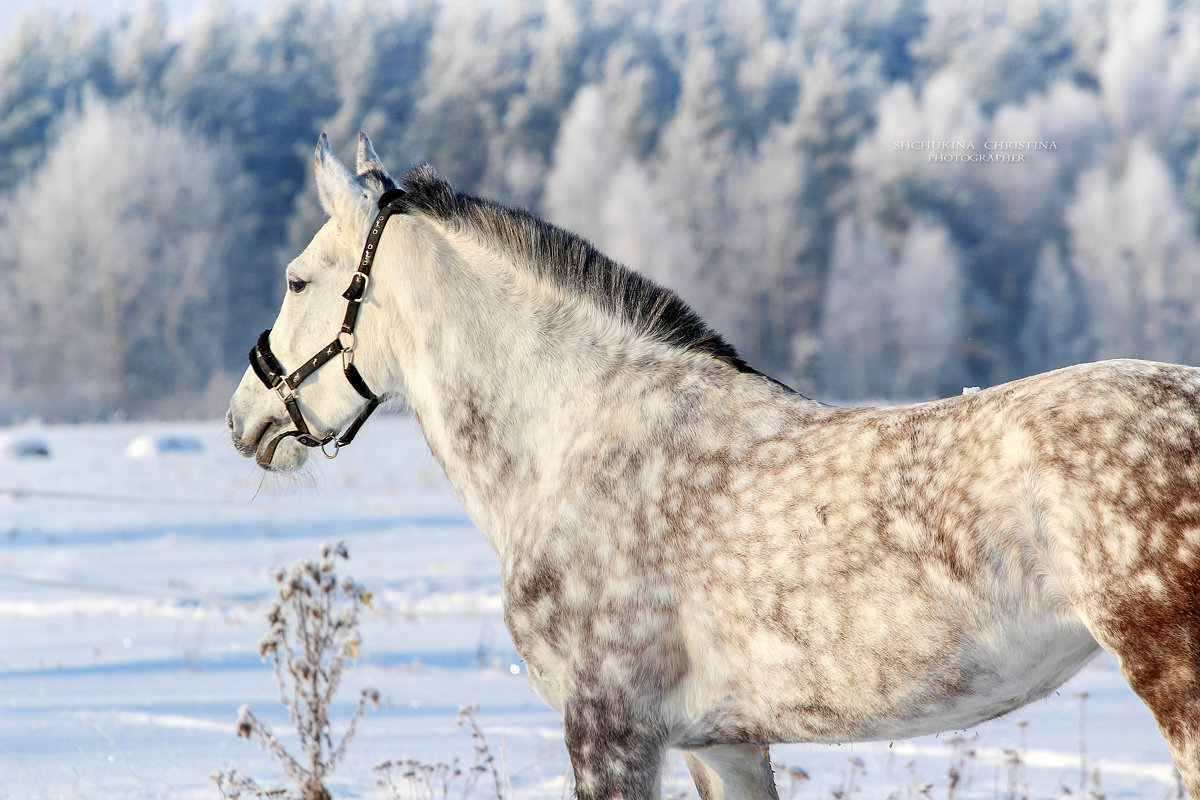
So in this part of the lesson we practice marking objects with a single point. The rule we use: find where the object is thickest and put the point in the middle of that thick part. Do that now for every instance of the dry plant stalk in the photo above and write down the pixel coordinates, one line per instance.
(313, 638)
(410, 779)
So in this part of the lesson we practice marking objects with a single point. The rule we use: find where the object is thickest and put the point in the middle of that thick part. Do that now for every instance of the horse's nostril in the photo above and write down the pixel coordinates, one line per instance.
(229, 418)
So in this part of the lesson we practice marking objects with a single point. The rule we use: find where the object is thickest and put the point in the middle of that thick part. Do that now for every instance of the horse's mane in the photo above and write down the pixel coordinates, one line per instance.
(573, 264)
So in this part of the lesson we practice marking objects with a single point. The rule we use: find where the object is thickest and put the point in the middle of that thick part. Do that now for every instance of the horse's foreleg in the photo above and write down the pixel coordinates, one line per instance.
(616, 755)
(732, 772)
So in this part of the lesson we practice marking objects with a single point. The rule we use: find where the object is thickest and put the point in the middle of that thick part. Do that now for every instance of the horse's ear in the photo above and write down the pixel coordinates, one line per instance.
(339, 190)
(368, 159)
(371, 172)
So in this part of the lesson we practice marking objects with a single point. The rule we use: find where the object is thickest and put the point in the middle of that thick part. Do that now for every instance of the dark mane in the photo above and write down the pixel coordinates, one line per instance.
(567, 260)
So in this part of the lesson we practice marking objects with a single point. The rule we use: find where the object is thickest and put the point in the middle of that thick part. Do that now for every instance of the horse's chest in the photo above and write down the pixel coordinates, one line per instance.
(597, 619)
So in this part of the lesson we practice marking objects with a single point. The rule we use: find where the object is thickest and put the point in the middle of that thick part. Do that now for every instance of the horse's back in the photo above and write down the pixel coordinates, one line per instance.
(1089, 474)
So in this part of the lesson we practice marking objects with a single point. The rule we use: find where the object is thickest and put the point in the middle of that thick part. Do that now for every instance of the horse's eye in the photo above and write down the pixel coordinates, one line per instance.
(296, 285)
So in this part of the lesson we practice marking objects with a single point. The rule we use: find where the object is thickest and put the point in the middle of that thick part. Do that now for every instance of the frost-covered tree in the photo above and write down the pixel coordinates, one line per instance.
(640, 91)
(641, 233)
(215, 54)
(892, 323)
(862, 31)
(142, 49)
(115, 247)
(1036, 190)
(558, 44)
(371, 98)
(1014, 263)
(836, 108)
(585, 159)
(1136, 252)
(856, 342)
(771, 233)
(465, 76)
(482, 117)
(696, 149)
(1147, 71)
(45, 64)
(603, 194)
(1001, 51)
(282, 71)
(1055, 332)
(926, 309)
(908, 161)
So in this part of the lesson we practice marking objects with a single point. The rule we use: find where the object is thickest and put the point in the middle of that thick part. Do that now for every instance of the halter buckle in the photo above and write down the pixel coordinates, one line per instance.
(279, 387)
(358, 287)
(309, 440)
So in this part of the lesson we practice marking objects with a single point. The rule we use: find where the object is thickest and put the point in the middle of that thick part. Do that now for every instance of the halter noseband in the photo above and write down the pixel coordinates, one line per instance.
(268, 369)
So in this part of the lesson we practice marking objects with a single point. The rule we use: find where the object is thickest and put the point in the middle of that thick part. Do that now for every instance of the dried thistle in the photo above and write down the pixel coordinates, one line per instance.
(313, 636)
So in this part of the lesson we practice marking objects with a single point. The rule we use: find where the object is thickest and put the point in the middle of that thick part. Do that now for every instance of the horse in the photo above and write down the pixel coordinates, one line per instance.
(695, 556)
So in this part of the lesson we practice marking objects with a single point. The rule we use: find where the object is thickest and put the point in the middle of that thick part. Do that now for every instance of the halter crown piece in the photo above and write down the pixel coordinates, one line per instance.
(268, 369)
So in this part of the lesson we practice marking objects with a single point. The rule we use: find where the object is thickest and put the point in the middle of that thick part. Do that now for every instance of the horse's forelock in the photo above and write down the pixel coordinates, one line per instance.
(570, 262)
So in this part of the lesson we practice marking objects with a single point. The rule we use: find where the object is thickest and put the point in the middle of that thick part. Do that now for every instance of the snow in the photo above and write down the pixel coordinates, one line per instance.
(156, 445)
(23, 446)
(132, 600)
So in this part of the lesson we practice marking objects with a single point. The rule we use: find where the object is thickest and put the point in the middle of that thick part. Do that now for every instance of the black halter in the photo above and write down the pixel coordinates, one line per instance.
(268, 369)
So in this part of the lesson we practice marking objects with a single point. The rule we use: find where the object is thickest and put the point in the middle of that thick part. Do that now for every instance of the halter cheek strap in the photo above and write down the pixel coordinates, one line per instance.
(268, 369)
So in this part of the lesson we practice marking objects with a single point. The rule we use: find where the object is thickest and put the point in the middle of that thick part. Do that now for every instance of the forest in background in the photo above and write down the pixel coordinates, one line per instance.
(869, 198)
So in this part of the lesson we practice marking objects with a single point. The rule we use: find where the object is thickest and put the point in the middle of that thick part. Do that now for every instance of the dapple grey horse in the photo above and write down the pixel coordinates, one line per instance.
(695, 556)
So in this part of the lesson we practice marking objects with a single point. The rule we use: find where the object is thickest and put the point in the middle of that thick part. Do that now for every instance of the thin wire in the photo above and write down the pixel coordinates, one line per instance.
(124, 590)
(58, 494)
(400, 514)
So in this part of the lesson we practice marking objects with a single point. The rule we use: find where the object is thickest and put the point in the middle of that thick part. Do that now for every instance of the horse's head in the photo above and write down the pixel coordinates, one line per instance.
(317, 373)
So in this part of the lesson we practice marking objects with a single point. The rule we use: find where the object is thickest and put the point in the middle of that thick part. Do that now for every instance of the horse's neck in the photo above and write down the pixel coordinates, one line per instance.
(517, 396)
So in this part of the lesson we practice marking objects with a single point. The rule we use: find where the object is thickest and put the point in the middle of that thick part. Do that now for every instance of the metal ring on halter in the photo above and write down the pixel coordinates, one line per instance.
(348, 350)
(337, 446)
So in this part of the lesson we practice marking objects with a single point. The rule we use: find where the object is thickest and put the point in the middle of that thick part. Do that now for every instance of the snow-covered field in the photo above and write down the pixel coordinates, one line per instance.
(135, 569)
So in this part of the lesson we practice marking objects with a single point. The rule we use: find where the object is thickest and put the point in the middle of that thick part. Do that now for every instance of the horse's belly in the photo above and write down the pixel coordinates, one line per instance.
(849, 693)
(996, 682)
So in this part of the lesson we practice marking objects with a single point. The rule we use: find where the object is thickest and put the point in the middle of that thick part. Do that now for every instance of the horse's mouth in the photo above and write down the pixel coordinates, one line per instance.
(277, 449)
(253, 443)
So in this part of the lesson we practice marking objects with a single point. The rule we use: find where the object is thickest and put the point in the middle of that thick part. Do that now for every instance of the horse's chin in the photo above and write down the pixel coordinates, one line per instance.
(289, 455)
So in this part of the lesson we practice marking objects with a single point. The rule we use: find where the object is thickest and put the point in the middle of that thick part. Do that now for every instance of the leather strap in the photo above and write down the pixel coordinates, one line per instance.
(268, 369)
